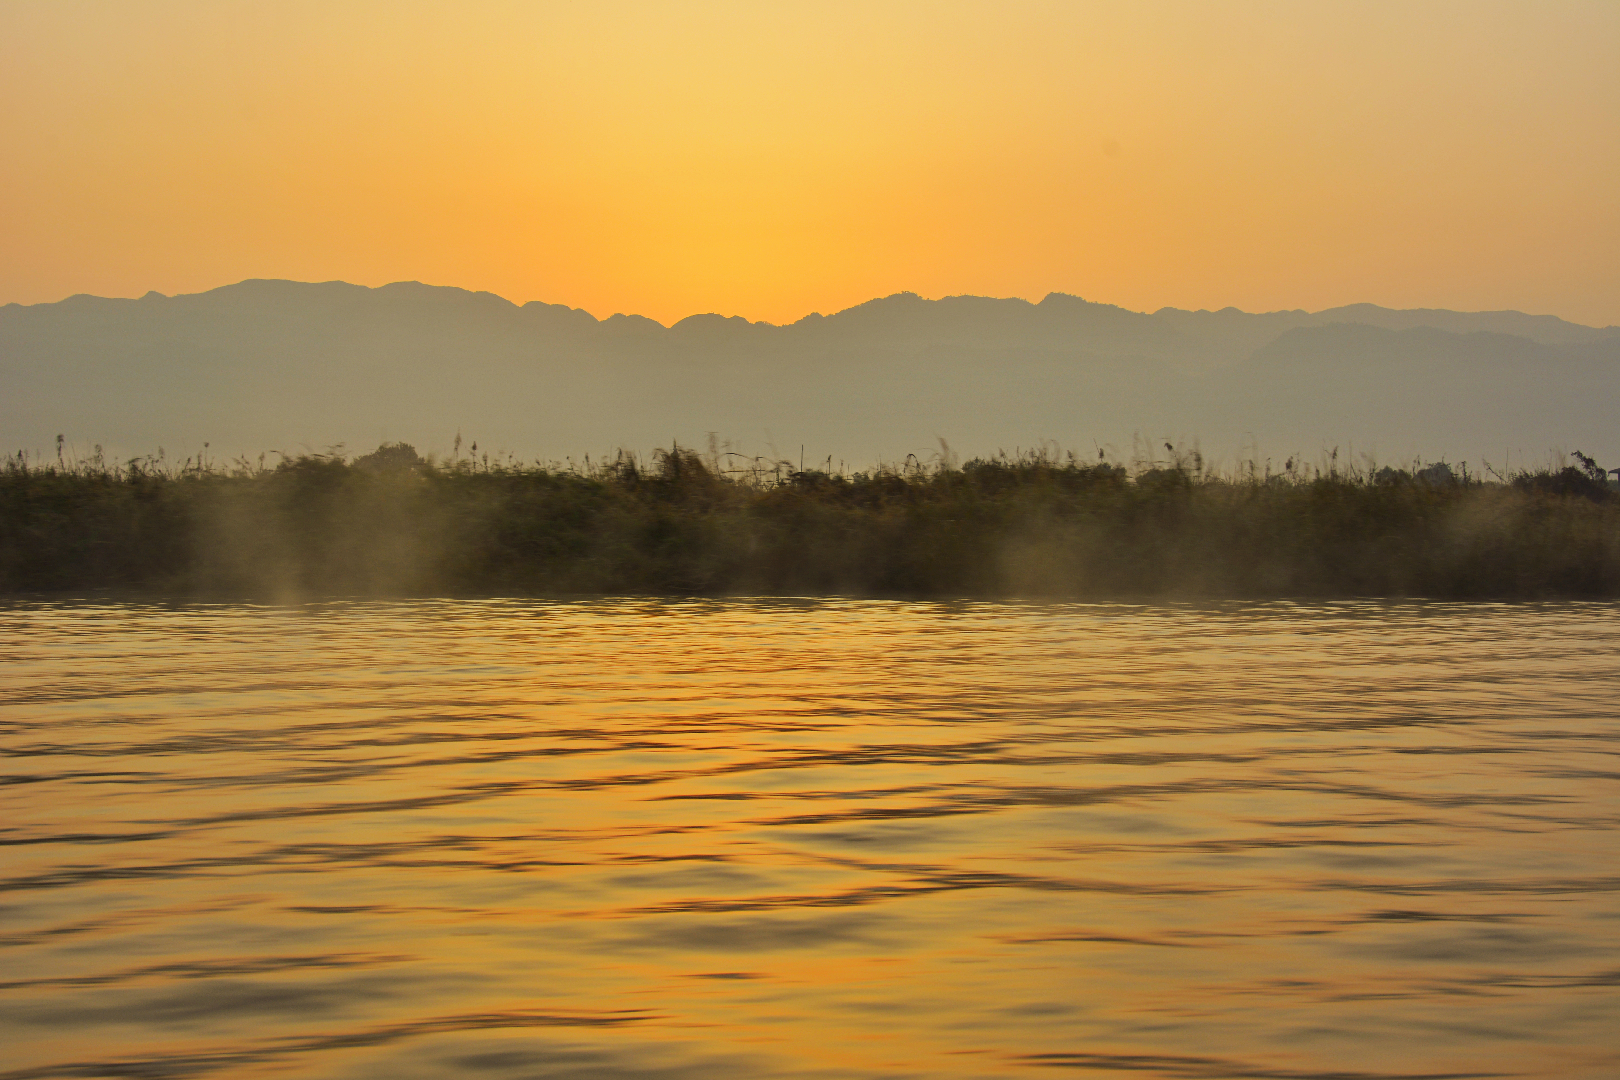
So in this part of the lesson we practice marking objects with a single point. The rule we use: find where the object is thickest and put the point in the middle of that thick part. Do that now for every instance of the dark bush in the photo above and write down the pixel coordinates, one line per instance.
(391, 523)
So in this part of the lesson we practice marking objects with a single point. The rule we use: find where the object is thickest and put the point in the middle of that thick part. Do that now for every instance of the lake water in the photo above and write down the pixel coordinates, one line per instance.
(671, 840)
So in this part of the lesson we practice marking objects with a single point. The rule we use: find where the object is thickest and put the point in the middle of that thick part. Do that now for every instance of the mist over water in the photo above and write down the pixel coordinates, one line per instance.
(736, 839)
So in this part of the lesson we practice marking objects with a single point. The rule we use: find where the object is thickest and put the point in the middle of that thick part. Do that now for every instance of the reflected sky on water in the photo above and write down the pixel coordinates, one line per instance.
(733, 839)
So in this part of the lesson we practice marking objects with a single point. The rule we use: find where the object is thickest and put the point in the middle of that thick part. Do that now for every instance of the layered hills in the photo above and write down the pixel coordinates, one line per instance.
(291, 366)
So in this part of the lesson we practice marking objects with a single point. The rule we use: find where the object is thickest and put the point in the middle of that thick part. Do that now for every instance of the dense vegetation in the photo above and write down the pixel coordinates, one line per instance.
(390, 523)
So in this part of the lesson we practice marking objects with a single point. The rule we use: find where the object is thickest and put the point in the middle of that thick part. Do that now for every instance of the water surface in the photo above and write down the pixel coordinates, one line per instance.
(670, 840)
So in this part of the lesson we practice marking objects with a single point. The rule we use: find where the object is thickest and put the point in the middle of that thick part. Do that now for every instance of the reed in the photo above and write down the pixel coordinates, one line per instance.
(1035, 524)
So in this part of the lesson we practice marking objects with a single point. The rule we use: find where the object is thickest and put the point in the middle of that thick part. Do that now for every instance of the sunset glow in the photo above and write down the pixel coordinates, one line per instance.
(1106, 563)
(769, 161)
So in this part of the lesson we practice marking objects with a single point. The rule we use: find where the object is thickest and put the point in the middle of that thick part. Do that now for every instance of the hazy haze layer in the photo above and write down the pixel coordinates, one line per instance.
(280, 365)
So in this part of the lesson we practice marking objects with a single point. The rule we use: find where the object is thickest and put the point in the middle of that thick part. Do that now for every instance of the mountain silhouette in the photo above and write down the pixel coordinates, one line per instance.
(282, 365)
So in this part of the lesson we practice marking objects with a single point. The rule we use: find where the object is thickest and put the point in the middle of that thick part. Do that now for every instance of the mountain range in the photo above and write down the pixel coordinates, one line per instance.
(289, 366)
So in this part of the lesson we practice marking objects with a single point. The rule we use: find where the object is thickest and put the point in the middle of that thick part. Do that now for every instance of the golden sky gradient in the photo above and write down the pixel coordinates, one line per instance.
(769, 160)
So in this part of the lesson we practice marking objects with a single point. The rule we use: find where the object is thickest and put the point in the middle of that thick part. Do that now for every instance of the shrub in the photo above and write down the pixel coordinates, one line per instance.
(392, 523)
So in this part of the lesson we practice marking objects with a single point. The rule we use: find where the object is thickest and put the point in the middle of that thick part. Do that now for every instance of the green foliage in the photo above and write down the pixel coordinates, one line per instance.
(392, 523)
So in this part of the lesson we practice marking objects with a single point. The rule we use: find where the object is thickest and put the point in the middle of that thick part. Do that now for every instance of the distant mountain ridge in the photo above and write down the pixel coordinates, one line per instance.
(268, 364)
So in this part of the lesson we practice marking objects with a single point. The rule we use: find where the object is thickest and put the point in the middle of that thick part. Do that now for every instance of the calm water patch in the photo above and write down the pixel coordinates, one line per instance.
(670, 840)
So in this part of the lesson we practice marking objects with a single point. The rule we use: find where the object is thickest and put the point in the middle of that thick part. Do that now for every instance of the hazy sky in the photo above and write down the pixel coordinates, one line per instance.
(768, 159)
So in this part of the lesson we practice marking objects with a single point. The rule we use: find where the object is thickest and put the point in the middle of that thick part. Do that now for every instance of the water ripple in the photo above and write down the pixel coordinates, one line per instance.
(813, 839)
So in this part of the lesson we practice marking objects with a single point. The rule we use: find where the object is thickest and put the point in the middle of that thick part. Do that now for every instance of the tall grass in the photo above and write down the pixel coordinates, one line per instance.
(1033, 524)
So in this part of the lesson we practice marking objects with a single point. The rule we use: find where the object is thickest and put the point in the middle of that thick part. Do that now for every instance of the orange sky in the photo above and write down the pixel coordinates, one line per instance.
(769, 160)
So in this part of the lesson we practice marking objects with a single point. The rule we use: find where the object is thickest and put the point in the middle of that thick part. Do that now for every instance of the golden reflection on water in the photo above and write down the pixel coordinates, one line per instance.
(671, 840)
